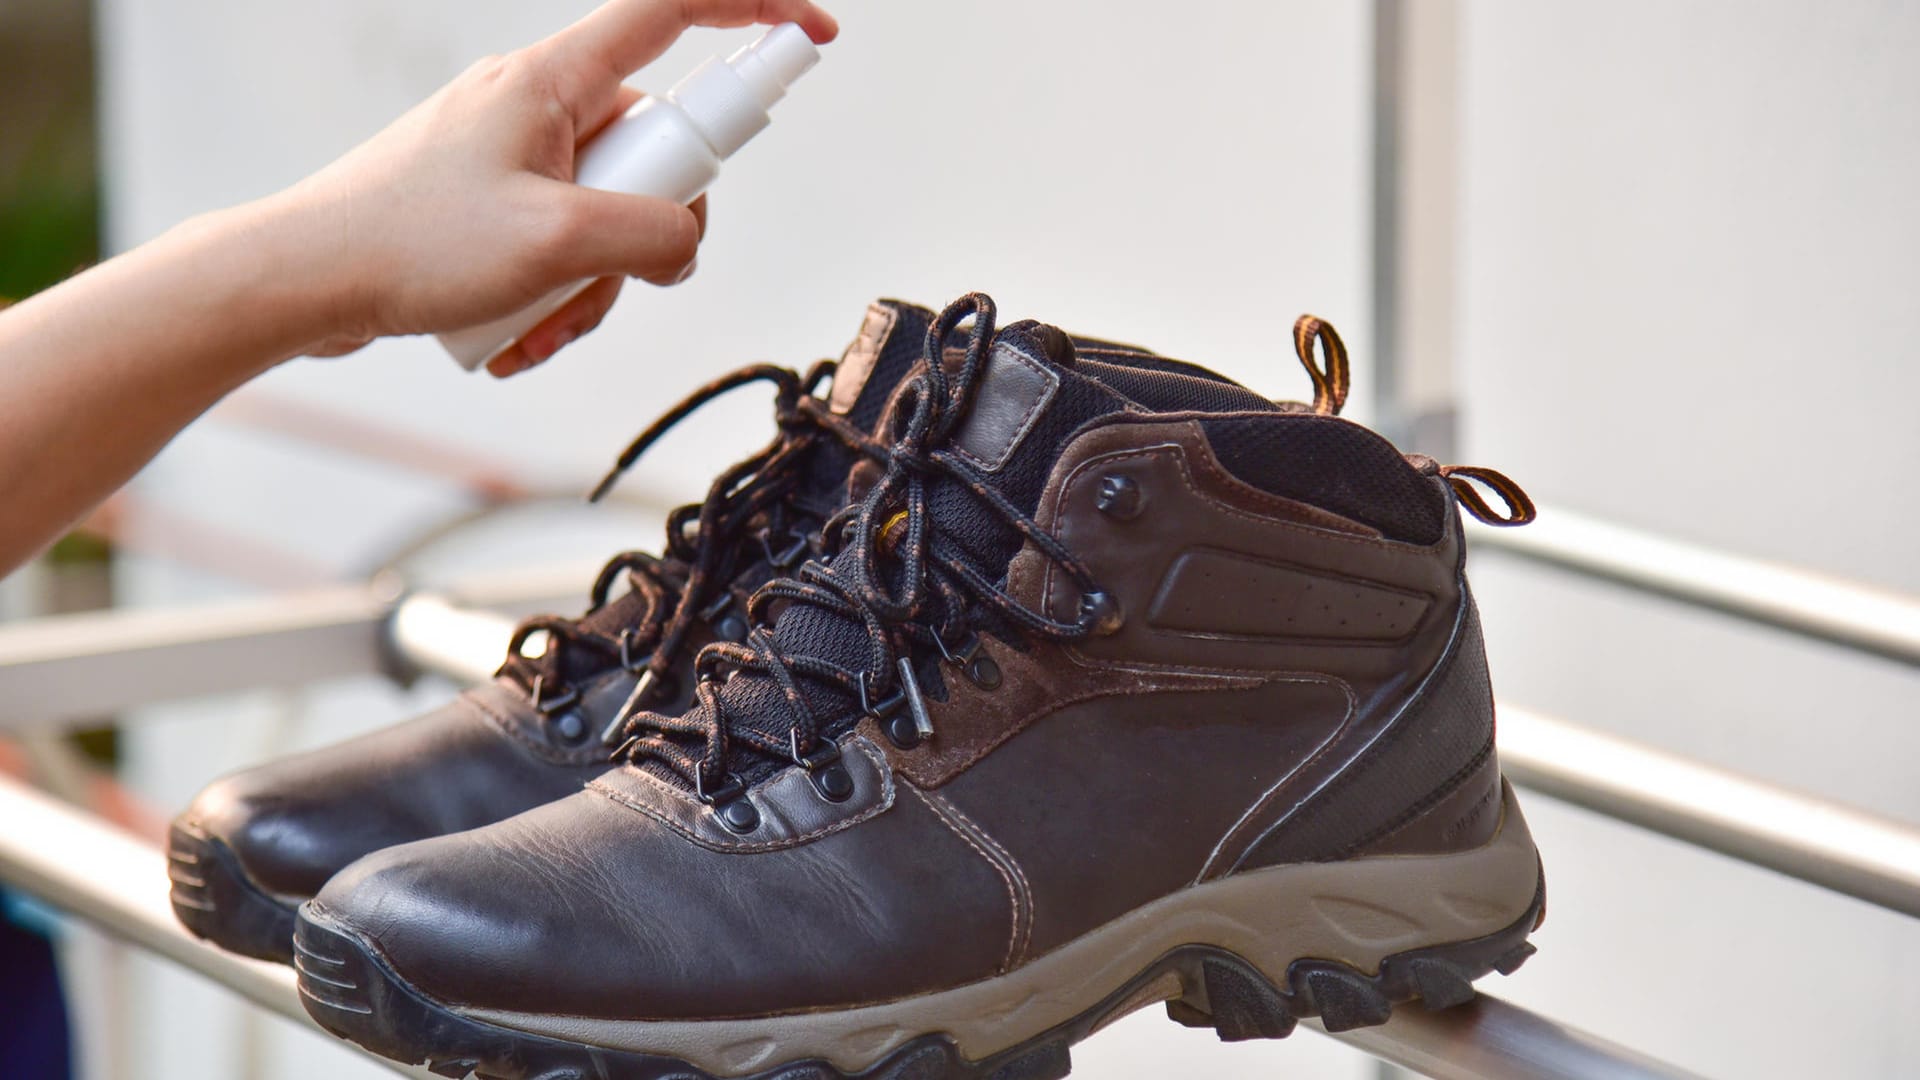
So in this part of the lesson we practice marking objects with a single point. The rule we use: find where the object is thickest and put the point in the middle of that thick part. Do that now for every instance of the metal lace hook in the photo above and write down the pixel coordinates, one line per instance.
(618, 725)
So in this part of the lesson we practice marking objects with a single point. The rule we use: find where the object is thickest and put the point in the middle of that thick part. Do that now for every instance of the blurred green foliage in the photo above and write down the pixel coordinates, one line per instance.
(49, 187)
(50, 228)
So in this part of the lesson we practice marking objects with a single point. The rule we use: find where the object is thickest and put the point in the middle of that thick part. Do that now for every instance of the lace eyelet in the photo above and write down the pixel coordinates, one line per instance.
(825, 770)
(900, 731)
(730, 802)
(1119, 497)
(570, 727)
(1100, 613)
(979, 669)
(984, 673)
(957, 655)
(739, 815)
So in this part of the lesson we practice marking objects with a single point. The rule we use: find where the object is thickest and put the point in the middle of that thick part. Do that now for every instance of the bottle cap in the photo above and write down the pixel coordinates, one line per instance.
(771, 64)
(728, 99)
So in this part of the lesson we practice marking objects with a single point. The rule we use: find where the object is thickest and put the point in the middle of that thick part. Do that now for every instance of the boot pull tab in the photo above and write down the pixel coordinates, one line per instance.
(1519, 508)
(1331, 381)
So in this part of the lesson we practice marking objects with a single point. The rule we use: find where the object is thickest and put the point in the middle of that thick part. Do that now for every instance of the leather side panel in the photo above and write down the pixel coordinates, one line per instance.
(1068, 795)
(1441, 742)
(1213, 593)
(581, 907)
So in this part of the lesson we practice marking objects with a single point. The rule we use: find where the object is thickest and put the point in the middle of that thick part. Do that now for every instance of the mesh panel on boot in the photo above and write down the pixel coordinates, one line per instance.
(755, 701)
(1334, 464)
(1162, 390)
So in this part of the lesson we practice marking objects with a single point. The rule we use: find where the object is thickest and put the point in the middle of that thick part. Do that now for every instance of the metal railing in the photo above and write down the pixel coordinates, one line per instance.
(1856, 616)
(78, 863)
(79, 667)
(128, 658)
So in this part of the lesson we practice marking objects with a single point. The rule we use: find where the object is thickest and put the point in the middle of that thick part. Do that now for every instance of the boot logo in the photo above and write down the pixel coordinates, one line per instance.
(1013, 392)
(857, 364)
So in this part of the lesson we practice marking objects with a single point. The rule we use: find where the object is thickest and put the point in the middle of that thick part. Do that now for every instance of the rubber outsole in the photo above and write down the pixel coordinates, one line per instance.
(215, 901)
(352, 993)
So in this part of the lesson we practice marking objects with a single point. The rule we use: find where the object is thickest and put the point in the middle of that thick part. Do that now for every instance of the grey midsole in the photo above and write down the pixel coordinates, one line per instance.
(1357, 912)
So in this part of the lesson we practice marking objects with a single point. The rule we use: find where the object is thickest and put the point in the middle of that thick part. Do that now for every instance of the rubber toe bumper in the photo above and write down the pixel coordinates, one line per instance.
(213, 898)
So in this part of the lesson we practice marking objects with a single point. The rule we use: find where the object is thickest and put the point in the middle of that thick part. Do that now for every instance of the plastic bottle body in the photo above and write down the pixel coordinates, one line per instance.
(653, 150)
(669, 147)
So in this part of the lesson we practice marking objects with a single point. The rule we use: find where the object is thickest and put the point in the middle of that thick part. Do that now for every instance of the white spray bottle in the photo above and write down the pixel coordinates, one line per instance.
(669, 146)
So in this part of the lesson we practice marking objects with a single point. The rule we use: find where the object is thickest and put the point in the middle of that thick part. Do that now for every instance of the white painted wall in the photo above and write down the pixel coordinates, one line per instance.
(1686, 283)
(1688, 286)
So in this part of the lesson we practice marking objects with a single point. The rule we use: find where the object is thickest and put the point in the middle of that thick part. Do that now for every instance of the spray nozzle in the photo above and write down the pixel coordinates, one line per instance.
(771, 64)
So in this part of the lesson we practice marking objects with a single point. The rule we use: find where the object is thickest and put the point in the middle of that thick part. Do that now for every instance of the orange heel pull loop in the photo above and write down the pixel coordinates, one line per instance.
(1330, 382)
(1519, 508)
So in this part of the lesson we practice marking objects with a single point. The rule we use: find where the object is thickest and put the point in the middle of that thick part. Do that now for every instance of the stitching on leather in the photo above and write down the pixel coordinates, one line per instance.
(1425, 803)
(1185, 465)
(1052, 384)
(1266, 800)
(1013, 864)
(1055, 706)
(512, 730)
(940, 810)
(1388, 730)
(873, 755)
(1209, 462)
(1180, 459)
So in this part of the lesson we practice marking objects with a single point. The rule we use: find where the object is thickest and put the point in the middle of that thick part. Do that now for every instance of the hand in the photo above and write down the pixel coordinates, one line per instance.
(463, 210)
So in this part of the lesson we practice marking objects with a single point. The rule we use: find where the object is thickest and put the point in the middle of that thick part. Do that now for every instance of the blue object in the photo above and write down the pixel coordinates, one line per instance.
(35, 1038)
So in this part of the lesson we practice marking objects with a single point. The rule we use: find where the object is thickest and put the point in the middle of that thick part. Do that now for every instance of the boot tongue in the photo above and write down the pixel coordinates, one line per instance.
(1026, 403)
(889, 344)
(891, 337)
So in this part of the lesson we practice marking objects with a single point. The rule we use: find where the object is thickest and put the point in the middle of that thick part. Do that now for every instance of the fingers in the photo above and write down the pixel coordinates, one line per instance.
(604, 233)
(699, 209)
(622, 36)
(575, 319)
(624, 98)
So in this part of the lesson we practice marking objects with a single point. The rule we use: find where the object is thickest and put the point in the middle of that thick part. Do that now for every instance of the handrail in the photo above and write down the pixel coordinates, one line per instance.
(1861, 617)
(1837, 847)
(1487, 1037)
(65, 668)
(78, 863)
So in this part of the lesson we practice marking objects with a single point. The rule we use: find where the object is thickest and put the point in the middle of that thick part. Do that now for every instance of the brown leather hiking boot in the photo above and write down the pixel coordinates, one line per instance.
(257, 843)
(1090, 706)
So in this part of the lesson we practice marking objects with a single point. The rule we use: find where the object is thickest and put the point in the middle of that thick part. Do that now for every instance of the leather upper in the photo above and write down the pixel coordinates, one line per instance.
(1093, 778)
(481, 757)
(590, 907)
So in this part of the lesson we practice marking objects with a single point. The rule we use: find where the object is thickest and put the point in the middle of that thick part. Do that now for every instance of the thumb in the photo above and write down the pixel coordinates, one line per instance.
(612, 234)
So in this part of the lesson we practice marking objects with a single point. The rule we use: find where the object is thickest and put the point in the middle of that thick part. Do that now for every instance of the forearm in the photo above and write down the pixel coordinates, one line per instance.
(456, 214)
(98, 373)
